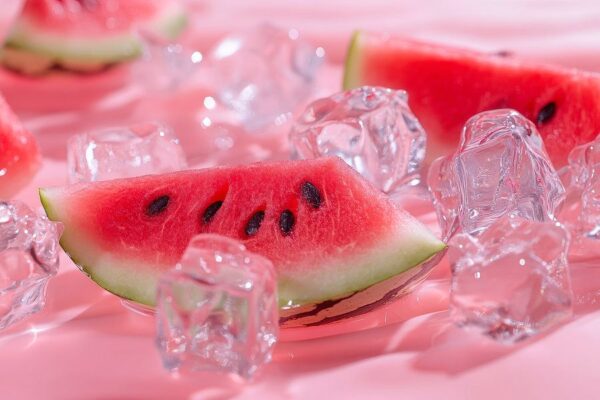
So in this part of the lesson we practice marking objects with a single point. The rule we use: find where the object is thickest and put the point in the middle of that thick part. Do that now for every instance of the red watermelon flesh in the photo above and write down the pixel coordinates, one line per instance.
(19, 155)
(88, 18)
(447, 86)
(328, 232)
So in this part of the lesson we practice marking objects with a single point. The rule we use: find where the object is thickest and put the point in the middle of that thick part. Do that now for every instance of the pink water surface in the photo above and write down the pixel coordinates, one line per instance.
(86, 345)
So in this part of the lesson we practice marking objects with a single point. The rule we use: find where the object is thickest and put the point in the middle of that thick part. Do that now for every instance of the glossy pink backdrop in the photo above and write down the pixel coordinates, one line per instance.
(85, 345)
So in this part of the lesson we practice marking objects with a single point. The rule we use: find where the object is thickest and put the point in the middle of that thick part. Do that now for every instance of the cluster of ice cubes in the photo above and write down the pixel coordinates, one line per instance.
(28, 259)
(497, 199)
(253, 82)
(217, 310)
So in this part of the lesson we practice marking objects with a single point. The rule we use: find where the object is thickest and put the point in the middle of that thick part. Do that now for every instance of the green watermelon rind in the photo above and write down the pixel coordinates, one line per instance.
(352, 68)
(359, 285)
(88, 53)
(171, 26)
(146, 282)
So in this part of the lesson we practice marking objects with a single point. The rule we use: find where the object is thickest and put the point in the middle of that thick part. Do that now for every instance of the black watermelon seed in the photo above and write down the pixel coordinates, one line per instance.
(503, 53)
(254, 223)
(286, 222)
(546, 113)
(157, 206)
(210, 211)
(311, 194)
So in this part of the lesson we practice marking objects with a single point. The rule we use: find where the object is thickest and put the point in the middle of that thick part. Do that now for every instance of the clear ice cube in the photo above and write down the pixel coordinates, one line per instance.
(499, 167)
(582, 209)
(165, 66)
(511, 281)
(28, 259)
(123, 152)
(264, 74)
(217, 310)
(371, 128)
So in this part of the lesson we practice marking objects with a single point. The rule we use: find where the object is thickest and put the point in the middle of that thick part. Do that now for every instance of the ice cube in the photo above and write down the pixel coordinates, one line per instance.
(122, 152)
(371, 128)
(511, 281)
(28, 258)
(217, 310)
(582, 210)
(264, 74)
(500, 167)
(165, 66)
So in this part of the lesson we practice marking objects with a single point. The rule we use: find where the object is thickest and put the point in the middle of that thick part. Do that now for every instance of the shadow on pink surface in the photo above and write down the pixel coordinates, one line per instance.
(62, 304)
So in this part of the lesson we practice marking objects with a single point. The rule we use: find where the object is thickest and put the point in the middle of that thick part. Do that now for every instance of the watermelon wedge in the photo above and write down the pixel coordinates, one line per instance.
(86, 35)
(328, 232)
(19, 154)
(446, 86)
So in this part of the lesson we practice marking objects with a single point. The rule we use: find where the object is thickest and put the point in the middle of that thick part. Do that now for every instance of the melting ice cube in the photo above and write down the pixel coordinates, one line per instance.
(217, 309)
(371, 128)
(165, 66)
(500, 167)
(511, 281)
(123, 152)
(28, 258)
(264, 73)
(582, 210)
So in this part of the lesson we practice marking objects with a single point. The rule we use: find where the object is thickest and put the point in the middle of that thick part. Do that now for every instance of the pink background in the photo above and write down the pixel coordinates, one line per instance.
(85, 345)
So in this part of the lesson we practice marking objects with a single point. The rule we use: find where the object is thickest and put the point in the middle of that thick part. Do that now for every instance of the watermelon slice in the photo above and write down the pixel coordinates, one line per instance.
(328, 232)
(446, 86)
(19, 155)
(85, 35)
